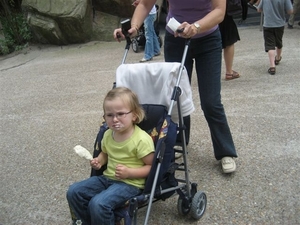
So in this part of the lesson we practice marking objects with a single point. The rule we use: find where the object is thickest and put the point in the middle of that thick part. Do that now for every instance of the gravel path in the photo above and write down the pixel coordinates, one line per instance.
(51, 100)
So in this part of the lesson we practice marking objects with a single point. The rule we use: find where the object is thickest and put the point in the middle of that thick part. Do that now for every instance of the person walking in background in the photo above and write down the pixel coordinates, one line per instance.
(230, 36)
(199, 20)
(92, 201)
(152, 47)
(273, 28)
(296, 9)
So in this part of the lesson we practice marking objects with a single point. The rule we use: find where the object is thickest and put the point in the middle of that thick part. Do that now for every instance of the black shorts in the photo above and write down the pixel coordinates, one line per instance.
(273, 37)
(229, 31)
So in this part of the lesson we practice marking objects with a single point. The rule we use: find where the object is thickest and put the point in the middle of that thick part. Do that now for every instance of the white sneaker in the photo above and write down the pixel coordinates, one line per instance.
(145, 60)
(228, 164)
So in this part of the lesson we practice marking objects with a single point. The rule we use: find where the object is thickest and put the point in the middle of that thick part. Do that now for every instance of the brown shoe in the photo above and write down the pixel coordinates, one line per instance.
(272, 70)
(232, 76)
(277, 60)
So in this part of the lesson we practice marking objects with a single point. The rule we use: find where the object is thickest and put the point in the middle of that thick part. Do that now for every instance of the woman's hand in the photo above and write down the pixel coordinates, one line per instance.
(186, 30)
(119, 36)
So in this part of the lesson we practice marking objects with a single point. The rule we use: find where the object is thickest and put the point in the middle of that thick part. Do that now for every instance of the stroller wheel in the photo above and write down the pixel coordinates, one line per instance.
(198, 205)
(183, 206)
(135, 46)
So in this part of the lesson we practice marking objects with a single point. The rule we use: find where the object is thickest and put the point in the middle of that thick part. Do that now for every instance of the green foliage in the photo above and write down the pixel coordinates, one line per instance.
(3, 48)
(15, 30)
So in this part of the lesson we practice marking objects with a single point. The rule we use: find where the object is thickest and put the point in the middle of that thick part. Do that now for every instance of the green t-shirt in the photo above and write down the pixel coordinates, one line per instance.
(129, 153)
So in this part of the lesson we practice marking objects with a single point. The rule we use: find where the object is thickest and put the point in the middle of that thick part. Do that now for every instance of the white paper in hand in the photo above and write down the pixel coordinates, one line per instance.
(173, 24)
(83, 152)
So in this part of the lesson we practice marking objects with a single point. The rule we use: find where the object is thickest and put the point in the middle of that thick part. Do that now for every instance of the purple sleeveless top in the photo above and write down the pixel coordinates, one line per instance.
(189, 11)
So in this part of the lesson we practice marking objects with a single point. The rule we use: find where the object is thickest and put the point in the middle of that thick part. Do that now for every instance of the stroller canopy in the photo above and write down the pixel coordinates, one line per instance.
(154, 84)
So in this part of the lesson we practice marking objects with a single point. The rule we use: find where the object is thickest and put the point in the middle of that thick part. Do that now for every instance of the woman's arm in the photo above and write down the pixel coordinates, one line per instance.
(215, 17)
(212, 19)
(140, 13)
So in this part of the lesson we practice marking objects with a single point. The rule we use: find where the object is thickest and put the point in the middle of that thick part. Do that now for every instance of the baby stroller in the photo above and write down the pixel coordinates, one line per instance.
(139, 41)
(170, 87)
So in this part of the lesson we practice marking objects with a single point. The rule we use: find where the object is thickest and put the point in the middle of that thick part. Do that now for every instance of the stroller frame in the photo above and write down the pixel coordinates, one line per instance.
(190, 200)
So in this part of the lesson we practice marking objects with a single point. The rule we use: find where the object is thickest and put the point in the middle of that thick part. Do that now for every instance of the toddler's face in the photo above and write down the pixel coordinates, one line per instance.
(117, 115)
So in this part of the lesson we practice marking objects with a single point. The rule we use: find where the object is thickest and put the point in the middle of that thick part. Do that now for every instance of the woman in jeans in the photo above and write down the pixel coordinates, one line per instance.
(199, 20)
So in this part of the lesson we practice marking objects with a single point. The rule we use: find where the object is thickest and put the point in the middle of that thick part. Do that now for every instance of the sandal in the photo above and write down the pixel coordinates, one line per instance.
(277, 60)
(232, 76)
(272, 70)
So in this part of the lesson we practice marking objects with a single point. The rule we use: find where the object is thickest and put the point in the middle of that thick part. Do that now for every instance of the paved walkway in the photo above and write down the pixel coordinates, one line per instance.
(51, 100)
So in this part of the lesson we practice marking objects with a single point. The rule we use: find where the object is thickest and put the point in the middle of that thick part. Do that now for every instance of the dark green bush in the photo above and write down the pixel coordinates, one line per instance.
(14, 28)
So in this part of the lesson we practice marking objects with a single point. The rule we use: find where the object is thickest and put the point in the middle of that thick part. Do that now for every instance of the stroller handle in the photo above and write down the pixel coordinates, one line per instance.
(128, 43)
(175, 93)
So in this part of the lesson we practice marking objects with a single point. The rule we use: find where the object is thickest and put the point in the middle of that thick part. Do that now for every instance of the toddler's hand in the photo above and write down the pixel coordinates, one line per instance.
(121, 172)
(95, 164)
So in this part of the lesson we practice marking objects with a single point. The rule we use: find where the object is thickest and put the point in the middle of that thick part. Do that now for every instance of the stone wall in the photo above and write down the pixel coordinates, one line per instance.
(62, 22)
(108, 15)
(59, 22)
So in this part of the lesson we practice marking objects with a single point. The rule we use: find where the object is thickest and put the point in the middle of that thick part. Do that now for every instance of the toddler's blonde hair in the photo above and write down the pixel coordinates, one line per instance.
(129, 98)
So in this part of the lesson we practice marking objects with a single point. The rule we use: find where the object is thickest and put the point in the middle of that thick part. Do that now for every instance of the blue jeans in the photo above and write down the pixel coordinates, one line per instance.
(152, 45)
(206, 52)
(93, 200)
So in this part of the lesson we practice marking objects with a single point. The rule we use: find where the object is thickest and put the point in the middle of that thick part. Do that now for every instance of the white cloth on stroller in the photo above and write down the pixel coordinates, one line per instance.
(154, 84)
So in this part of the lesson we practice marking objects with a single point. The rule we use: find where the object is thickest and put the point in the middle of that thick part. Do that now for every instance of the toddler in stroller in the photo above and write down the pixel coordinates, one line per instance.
(127, 151)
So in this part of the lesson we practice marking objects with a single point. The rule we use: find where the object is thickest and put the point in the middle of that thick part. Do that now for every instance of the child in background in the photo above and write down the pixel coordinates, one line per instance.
(152, 47)
(128, 152)
(296, 9)
(274, 22)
